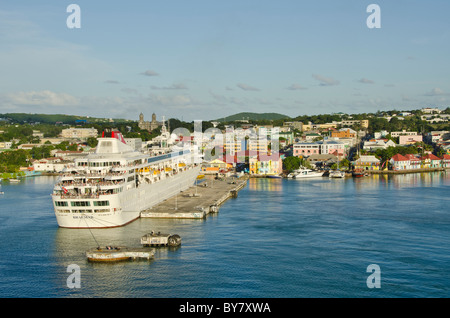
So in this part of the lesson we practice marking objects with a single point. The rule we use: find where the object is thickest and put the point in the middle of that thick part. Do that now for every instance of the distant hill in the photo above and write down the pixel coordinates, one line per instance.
(253, 116)
(53, 118)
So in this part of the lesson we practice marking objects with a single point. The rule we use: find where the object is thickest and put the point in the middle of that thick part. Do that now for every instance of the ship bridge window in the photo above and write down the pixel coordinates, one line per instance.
(106, 143)
(61, 203)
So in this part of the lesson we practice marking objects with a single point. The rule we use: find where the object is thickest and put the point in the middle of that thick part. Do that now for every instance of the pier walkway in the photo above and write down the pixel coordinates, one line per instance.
(404, 171)
(199, 200)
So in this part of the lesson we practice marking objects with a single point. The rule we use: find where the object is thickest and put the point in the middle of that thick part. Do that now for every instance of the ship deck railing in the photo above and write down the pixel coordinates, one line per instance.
(89, 184)
(80, 196)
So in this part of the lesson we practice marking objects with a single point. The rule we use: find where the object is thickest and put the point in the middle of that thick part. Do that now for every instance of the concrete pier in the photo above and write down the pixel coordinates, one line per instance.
(199, 200)
(404, 171)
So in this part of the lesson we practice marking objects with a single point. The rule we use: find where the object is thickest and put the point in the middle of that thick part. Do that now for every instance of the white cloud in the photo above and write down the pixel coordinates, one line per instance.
(325, 81)
(366, 81)
(406, 98)
(128, 90)
(296, 87)
(246, 87)
(41, 98)
(173, 86)
(435, 92)
(150, 73)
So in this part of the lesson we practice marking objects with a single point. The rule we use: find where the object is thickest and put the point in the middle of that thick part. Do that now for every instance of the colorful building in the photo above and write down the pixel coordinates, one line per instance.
(215, 166)
(344, 133)
(414, 162)
(399, 162)
(409, 139)
(266, 165)
(446, 161)
(367, 163)
(306, 149)
(431, 161)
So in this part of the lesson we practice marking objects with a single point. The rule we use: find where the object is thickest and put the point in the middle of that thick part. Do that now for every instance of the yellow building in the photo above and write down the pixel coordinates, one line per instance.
(367, 163)
(266, 166)
(217, 163)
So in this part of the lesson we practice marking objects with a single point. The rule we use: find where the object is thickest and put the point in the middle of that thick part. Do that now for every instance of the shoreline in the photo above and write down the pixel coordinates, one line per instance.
(422, 170)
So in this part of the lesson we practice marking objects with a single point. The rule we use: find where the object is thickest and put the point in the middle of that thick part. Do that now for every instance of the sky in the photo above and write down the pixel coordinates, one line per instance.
(204, 60)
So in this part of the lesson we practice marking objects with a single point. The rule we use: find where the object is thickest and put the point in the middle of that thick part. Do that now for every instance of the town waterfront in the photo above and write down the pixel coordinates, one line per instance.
(280, 238)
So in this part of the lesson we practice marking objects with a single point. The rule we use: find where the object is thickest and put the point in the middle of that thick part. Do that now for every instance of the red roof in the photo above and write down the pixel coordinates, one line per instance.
(399, 157)
(411, 157)
(446, 157)
(431, 157)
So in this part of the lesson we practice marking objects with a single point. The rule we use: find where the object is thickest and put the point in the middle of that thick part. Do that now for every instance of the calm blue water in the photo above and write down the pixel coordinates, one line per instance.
(279, 238)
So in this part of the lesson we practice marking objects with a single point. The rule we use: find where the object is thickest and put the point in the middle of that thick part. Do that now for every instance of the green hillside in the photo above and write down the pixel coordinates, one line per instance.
(253, 116)
(22, 118)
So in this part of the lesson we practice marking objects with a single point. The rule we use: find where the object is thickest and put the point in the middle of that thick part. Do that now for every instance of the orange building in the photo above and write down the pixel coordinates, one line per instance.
(343, 133)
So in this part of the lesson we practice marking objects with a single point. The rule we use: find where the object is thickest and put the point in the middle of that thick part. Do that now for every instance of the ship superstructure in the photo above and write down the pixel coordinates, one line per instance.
(110, 187)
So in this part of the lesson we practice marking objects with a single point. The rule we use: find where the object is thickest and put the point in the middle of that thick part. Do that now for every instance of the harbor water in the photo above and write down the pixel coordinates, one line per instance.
(280, 238)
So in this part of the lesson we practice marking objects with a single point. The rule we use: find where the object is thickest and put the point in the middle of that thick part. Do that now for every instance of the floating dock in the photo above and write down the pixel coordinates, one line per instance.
(199, 200)
(158, 239)
(115, 254)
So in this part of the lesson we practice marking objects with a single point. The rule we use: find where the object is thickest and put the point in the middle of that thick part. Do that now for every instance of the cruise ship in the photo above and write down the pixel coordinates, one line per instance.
(109, 188)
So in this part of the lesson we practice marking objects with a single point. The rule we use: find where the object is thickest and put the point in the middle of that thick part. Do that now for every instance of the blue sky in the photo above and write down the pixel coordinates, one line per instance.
(210, 59)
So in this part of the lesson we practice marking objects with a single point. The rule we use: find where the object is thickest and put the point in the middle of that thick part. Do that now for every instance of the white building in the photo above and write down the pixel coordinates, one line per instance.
(429, 110)
(50, 165)
(372, 145)
(79, 133)
(403, 133)
(135, 143)
(5, 144)
(380, 134)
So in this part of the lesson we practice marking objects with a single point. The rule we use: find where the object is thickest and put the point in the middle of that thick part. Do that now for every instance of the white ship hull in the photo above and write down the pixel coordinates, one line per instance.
(126, 207)
(309, 176)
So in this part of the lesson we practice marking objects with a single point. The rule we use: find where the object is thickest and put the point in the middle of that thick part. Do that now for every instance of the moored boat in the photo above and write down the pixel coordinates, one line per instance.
(307, 173)
(336, 174)
(358, 173)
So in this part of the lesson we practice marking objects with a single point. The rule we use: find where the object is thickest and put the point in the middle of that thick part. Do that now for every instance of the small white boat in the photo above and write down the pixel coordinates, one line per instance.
(158, 239)
(307, 173)
(337, 174)
(14, 180)
(292, 174)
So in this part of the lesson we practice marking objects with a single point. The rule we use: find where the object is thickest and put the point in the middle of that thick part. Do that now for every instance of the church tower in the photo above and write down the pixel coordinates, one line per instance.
(141, 123)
